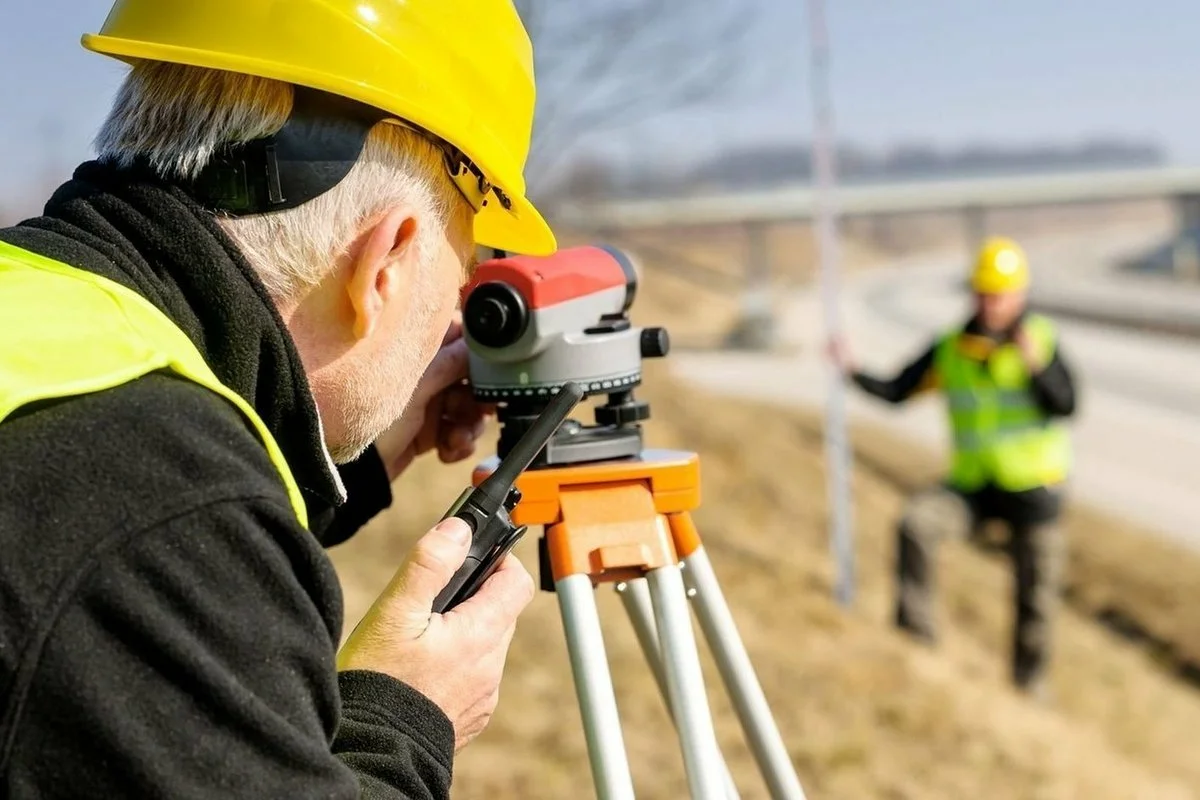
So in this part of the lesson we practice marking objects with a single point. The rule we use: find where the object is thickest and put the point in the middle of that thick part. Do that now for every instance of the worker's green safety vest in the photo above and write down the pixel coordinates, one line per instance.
(65, 332)
(1001, 436)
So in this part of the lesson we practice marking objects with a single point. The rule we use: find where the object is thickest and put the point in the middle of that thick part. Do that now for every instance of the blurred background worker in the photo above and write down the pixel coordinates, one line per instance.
(1006, 387)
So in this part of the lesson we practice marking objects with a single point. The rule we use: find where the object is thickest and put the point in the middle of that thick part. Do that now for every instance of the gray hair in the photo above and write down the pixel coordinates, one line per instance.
(176, 116)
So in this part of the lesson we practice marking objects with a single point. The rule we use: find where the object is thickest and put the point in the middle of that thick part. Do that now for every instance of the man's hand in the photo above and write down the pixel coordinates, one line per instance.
(1033, 359)
(839, 354)
(455, 659)
(442, 414)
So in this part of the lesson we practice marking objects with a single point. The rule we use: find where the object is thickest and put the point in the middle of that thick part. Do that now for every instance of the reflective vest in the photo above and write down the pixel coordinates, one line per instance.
(65, 332)
(1000, 434)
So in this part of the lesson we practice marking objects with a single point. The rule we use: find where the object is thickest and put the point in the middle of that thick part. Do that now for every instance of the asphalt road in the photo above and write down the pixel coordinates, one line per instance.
(1137, 431)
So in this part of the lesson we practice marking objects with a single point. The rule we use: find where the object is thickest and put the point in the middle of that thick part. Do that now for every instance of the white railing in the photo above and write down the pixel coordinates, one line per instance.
(800, 202)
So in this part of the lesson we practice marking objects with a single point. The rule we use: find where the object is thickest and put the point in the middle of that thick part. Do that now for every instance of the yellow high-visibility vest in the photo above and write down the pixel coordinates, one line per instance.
(66, 332)
(1001, 436)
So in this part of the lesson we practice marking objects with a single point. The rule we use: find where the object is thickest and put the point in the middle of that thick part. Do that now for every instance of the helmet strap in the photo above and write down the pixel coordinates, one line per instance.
(313, 152)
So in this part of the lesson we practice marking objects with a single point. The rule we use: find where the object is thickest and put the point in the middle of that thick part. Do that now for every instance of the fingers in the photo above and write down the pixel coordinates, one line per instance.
(428, 568)
(839, 354)
(456, 438)
(515, 585)
(458, 441)
(501, 599)
(463, 423)
(429, 434)
(460, 407)
(459, 444)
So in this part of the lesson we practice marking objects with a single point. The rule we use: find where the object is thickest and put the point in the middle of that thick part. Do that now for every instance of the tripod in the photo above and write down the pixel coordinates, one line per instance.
(627, 522)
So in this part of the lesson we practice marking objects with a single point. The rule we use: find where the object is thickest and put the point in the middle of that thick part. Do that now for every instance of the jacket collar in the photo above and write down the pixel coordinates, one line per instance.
(130, 227)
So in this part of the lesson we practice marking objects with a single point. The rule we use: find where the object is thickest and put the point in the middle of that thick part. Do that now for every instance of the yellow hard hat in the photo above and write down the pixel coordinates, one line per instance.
(1000, 267)
(460, 69)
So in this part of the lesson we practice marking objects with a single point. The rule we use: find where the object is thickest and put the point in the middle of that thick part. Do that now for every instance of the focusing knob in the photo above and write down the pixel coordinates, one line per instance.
(514, 497)
(624, 414)
(495, 314)
(655, 342)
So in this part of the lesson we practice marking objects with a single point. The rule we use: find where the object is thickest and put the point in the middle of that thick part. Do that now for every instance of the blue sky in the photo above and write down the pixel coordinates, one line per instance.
(947, 71)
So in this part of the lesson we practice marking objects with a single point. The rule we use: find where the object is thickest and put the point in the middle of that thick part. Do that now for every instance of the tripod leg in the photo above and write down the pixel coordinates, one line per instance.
(740, 679)
(593, 687)
(635, 595)
(685, 683)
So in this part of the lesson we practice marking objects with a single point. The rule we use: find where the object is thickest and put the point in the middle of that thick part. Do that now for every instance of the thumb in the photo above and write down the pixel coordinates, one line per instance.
(425, 572)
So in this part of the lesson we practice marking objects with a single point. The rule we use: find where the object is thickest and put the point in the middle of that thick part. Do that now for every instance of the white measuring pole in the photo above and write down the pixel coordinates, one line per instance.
(836, 440)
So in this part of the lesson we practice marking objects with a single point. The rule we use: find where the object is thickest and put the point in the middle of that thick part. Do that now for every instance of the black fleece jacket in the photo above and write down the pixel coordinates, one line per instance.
(167, 628)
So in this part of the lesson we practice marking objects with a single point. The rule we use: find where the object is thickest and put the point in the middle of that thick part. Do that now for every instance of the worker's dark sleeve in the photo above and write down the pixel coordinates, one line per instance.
(368, 492)
(904, 384)
(196, 659)
(1054, 387)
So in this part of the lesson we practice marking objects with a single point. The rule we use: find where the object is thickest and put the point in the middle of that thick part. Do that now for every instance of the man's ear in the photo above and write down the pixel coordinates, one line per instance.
(384, 259)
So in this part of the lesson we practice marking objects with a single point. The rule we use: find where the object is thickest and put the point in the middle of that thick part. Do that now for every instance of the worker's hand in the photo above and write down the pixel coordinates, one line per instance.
(442, 414)
(455, 659)
(1033, 359)
(839, 353)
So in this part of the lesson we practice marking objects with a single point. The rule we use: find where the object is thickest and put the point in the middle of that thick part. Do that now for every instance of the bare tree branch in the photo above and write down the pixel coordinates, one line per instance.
(694, 87)
(604, 64)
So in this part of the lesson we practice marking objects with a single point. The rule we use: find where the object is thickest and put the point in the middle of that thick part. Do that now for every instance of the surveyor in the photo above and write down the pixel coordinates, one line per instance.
(1007, 389)
(220, 343)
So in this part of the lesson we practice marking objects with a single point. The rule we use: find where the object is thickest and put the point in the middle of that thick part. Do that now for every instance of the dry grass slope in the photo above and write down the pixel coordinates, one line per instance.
(866, 713)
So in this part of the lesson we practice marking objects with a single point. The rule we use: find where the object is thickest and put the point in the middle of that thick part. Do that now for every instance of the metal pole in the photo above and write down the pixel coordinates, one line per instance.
(635, 595)
(685, 684)
(836, 446)
(741, 682)
(594, 689)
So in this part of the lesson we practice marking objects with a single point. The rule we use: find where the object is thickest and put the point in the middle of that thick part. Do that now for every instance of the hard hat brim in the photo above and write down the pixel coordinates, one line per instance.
(986, 285)
(520, 229)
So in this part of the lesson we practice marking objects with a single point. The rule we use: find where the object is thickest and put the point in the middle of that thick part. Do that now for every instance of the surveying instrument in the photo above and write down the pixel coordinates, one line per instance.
(544, 333)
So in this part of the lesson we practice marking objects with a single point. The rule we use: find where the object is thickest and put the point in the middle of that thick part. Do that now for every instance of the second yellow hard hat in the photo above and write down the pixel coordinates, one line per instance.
(460, 69)
(1000, 266)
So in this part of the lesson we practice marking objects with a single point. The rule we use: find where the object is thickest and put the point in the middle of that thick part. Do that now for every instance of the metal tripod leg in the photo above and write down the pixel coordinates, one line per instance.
(635, 595)
(685, 683)
(740, 679)
(594, 689)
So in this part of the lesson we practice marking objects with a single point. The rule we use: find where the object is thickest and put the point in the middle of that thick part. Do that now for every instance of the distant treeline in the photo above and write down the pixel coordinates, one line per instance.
(766, 166)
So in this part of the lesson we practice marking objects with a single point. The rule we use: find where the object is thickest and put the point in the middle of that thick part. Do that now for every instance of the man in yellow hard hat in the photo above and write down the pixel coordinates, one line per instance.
(220, 343)
(1007, 389)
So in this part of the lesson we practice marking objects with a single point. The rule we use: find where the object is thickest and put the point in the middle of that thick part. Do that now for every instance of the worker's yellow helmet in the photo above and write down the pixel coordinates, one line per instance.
(1000, 267)
(459, 69)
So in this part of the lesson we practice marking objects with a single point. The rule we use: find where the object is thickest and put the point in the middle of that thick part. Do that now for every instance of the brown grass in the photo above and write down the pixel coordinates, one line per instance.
(1124, 576)
(865, 712)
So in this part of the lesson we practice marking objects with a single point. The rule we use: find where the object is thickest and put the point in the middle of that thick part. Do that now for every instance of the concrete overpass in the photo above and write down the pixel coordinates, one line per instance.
(971, 197)
(800, 202)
